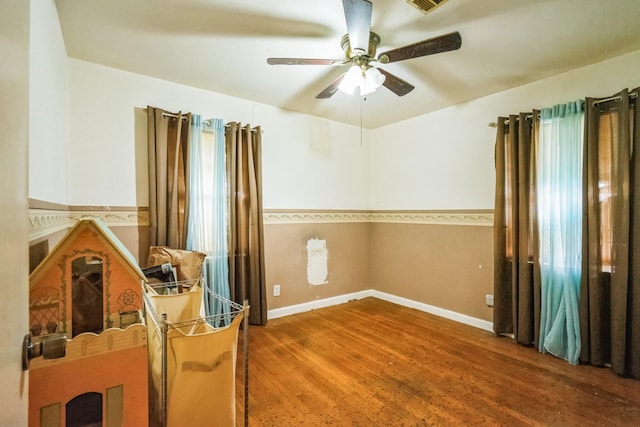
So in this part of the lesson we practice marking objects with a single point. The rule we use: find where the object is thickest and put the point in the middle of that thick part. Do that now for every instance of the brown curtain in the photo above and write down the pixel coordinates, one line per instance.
(610, 287)
(516, 272)
(246, 247)
(168, 139)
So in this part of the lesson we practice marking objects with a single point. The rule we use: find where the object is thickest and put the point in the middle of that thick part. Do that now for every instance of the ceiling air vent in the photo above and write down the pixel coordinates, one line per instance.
(426, 6)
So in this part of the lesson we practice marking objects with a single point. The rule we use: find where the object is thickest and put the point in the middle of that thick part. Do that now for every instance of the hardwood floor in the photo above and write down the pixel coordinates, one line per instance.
(373, 363)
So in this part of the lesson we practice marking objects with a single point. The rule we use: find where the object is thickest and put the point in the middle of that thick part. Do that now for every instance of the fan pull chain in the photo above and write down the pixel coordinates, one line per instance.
(362, 99)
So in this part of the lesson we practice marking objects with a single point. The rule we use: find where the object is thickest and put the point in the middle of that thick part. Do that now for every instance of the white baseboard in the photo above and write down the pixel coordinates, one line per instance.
(441, 312)
(314, 305)
(341, 299)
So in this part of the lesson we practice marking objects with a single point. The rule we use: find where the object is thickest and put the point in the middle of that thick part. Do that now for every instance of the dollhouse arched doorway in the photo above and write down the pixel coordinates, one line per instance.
(84, 410)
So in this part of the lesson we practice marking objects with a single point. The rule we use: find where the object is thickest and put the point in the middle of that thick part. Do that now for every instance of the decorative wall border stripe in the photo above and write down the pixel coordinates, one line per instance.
(445, 218)
(44, 222)
(115, 218)
(307, 217)
(476, 218)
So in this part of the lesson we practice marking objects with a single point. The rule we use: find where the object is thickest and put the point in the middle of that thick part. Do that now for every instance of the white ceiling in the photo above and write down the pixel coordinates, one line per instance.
(222, 46)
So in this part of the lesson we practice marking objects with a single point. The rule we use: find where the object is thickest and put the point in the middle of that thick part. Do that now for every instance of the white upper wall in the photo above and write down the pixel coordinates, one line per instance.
(439, 161)
(47, 105)
(445, 160)
(308, 163)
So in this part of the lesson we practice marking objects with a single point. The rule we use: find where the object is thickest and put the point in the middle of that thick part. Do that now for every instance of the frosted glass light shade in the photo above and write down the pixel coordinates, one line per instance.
(368, 80)
(351, 80)
(373, 79)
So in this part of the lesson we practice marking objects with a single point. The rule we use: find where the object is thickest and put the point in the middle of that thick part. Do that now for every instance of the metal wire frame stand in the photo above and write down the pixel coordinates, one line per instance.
(164, 326)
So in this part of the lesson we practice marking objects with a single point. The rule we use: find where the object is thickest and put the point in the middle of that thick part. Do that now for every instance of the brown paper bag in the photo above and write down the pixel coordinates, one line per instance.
(188, 264)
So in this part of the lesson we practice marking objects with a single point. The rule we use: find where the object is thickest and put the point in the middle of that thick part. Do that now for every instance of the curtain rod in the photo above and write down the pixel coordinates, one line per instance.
(506, 122)
(632, 95)
(175, 116)
(208, 121)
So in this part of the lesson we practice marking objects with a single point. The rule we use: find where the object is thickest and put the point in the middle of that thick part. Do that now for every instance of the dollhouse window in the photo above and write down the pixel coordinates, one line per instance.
(87, 314)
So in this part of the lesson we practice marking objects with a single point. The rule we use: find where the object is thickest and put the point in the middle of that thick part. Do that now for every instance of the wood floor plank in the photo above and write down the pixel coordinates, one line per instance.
(374, 363)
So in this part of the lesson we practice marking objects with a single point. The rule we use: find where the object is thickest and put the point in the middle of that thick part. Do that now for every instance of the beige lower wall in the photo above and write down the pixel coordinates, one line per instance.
(136, 239)
(348, 246)
(40, 247)
(444, 265)
(443, 259)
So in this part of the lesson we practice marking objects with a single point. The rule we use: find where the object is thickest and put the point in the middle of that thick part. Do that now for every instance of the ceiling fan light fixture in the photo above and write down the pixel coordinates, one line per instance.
(367, 80)
(372, 80)
(360, 55)
(351, 80)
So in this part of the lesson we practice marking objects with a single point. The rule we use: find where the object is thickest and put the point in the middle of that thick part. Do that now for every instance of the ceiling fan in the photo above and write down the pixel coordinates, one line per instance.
(360, 45)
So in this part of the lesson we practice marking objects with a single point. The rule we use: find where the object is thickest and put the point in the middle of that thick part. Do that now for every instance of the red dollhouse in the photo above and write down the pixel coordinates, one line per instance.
(89, 288)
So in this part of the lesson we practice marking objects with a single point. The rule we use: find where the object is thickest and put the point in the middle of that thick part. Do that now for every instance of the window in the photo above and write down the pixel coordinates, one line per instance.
(208, 171)
(608, 161)
(608, 123)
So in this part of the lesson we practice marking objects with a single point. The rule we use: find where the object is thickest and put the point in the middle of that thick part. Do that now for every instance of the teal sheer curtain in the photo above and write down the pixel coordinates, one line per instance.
(196, 223)
(207, 225)
(559, 212)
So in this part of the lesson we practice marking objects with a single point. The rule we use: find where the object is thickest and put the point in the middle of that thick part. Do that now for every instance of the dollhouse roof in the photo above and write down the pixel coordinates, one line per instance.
(104, 233)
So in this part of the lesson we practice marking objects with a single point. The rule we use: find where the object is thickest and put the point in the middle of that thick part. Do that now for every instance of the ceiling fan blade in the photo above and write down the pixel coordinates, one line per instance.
(331, 89)
(396, 84)
(357, 13)
(445, 43)
(304, 61)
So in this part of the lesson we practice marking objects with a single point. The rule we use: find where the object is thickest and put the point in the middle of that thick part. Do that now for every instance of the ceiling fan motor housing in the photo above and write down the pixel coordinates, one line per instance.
(374, 42)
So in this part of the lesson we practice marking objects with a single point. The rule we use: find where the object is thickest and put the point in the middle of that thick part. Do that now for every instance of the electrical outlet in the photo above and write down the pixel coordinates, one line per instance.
(489, 300)
(276, 290)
